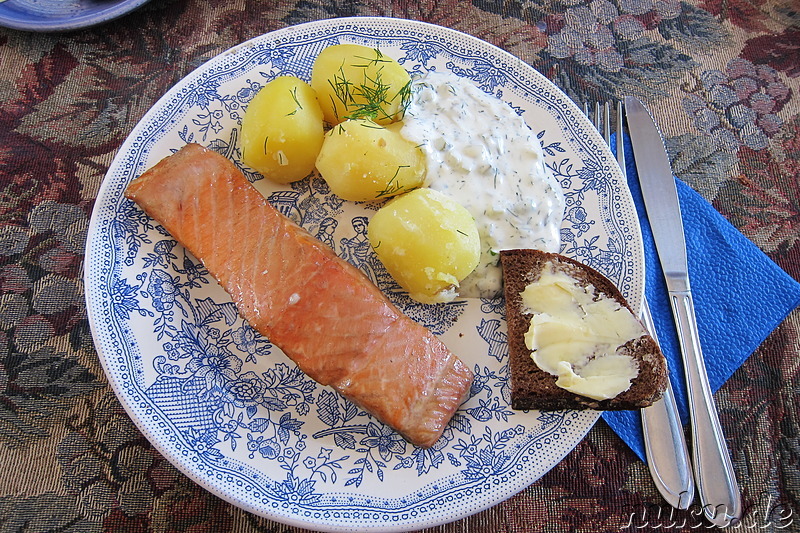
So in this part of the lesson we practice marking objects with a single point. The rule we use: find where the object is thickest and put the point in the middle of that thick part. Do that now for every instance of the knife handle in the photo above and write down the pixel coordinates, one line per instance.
(716, 481)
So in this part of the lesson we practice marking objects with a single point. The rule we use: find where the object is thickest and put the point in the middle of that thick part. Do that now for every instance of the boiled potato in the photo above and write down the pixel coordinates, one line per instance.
(355, 81)
(363, 161)
(427, 241)
(282, 130)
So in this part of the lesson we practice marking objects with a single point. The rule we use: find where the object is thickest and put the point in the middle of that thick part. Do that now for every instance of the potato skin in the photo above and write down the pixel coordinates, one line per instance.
(428, 243)
(282, 130)
(363, 161)
(355, 81)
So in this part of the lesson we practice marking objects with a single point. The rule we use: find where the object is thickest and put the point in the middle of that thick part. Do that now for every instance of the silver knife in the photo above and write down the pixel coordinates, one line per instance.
(716, 481)
(665, 446)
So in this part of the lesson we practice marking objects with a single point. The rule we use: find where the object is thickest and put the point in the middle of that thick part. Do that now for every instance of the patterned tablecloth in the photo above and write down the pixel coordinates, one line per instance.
(721, 77)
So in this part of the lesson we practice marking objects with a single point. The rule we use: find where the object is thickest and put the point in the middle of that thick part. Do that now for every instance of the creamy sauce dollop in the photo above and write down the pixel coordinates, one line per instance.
(482, 154)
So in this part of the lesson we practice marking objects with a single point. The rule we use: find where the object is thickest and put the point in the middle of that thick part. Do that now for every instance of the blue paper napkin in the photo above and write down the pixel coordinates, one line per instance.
(740, 296)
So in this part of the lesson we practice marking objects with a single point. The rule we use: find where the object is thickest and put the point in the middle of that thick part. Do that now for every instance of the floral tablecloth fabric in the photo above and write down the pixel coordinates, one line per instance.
(721, 77)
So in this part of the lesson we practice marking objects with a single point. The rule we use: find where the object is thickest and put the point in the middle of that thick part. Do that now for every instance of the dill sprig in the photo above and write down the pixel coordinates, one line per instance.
(370, 125)
(372, 61)
(393, 186)
(376, 95)
(369, 97)
(404, 94)
(293, 93)
(342, 90)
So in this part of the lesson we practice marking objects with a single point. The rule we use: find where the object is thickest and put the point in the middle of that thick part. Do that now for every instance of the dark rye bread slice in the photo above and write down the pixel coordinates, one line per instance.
(533, 388)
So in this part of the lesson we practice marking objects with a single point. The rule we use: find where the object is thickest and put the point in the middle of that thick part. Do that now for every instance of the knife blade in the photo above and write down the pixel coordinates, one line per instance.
(716, 482)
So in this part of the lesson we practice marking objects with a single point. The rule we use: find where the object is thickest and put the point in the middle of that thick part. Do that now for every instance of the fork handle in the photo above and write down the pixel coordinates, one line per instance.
(716, 481)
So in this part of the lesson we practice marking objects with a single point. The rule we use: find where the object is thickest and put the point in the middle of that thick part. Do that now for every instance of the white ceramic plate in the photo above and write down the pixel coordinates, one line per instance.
(230, 410)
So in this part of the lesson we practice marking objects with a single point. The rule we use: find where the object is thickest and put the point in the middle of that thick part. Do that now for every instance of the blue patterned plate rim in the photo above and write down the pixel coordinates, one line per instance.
(228, 408)
(60, 15)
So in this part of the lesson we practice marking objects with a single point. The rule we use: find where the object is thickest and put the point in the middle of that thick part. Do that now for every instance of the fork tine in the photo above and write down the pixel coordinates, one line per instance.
(620, 139)
(601, 118)
(598, 118)
(592, 114)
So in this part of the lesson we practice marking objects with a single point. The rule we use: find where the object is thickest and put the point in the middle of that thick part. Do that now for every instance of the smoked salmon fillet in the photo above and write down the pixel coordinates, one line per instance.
(324, 313)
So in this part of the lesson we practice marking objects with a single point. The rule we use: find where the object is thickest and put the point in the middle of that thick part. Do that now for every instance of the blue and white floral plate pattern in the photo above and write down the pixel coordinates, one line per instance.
(62, 15)
(230, 410)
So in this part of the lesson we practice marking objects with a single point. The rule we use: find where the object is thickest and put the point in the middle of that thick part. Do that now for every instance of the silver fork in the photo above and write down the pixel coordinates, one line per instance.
(665, 445)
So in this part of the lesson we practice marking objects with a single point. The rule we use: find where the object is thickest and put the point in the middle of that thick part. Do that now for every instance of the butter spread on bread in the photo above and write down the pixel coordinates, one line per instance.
(575, 335)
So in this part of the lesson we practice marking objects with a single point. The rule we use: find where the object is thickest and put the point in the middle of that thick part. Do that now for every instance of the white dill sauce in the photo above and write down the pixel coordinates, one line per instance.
(483, 155)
